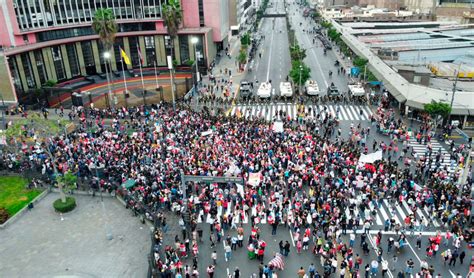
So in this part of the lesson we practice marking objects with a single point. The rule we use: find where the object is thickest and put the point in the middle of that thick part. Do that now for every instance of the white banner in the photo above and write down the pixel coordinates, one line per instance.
(278, 127)
(371, 157)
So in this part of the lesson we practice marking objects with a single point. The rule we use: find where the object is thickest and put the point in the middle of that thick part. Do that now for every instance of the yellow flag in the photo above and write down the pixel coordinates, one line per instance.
(126, 59)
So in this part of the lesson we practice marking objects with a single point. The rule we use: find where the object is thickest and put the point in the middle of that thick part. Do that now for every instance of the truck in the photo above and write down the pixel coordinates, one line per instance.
(333, 90)
(245, 89)
(264, 90)
(356, 90)
(311, 88)
(285, 89)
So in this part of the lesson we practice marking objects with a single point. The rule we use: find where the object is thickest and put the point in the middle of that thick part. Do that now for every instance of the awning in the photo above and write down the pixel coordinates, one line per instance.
(129, 183)
(235, 27)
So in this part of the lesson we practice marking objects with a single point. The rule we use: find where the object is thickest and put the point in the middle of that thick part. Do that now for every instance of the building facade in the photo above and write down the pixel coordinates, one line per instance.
(53, 39)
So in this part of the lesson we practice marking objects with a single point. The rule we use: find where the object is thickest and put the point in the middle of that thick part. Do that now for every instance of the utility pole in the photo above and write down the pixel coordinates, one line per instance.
(454, 92)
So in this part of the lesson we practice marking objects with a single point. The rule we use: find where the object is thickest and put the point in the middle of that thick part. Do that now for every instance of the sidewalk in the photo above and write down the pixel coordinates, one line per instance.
(229, 64)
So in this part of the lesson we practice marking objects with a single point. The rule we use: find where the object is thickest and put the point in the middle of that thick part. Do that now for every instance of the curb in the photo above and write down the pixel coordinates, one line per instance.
(24, 210)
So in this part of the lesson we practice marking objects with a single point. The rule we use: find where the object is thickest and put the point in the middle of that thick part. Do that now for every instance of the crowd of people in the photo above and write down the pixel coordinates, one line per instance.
(308, 176)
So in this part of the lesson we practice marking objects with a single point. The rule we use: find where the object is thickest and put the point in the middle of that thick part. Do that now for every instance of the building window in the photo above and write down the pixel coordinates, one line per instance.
(150, 50)
(184, 48)
(28, 70)
(40, 66)
(58, 63)
(118, 56)
(73, 61)
(133, 44)
(87, 53)
(201, 12)
(15, 74)
(416, 79)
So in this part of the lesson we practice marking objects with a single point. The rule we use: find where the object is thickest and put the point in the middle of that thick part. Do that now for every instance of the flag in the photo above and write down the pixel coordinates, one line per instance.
(140, 55)
(125, 58)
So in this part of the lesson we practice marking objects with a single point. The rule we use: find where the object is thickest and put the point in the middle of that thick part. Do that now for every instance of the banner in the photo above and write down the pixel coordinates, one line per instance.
(278, 127)
(254, 179)
(205, 133)
(371, 158)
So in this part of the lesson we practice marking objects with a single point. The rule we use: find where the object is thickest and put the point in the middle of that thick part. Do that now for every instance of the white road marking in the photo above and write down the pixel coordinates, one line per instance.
(375, 247)
(292, 240)
(270, 57)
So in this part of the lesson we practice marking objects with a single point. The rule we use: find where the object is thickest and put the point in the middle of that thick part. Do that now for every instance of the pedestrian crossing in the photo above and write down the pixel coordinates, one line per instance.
(377, 213)
(422, 150)
(270, 112)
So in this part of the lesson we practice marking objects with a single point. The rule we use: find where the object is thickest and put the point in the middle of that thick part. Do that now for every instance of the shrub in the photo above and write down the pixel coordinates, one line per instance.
(69, 205)
(3, 215)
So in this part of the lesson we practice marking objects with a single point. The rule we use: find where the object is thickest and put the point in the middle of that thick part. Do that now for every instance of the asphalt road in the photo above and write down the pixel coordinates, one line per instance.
(275, 62)
(319, 63)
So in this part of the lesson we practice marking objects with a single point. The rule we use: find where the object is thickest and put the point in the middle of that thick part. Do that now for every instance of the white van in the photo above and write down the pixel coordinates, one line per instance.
(356, 90)
(265, 90)
(312, 88)
(285, 89)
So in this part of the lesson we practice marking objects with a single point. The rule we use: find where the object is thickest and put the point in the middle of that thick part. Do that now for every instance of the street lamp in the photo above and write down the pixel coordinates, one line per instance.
(106, 59)
(194, 41)
(299, 89)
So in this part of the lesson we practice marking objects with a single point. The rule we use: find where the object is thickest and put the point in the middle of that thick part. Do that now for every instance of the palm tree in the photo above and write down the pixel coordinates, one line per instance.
(105, 26)
(172, 17)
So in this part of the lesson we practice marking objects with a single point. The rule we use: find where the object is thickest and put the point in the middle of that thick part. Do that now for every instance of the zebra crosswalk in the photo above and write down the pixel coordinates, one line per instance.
(381, 211)
(422, 150)
(270, 112)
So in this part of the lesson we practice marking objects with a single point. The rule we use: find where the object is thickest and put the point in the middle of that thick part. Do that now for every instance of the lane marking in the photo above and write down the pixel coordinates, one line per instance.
(270, 56)
(375, 247)
(292, 240)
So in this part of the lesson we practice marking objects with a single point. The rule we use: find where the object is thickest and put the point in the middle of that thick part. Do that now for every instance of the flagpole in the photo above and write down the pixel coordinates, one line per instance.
(141, 73)
(156, 74)
(125, 83)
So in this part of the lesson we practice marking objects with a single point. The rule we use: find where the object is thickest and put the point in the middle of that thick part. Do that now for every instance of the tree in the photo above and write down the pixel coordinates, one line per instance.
(105, 26)
(172, 16)
(297, 53)
(44, 130)
(245, 39)
(435, 109)
(242, 58)
(68, 181)
(299, 72)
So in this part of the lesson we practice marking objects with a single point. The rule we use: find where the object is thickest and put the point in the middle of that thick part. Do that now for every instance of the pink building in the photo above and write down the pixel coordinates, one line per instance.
(53, 40)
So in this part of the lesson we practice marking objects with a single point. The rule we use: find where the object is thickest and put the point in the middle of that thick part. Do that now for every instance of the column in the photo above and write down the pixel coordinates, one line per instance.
(21, 71)
(34, 68)
(80, 56)
(67, 66)
(126, 47)
(141, 43)
(49, 64)
(160, 50)
(176, 51)
(95, 51)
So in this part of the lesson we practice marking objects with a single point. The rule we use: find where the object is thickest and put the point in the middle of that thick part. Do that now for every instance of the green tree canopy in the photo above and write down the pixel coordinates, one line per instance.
(298, 68)
(172, 16)
(245, 39)
(242, 58)
(105, 26)
(297, 53)
(438, 108)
